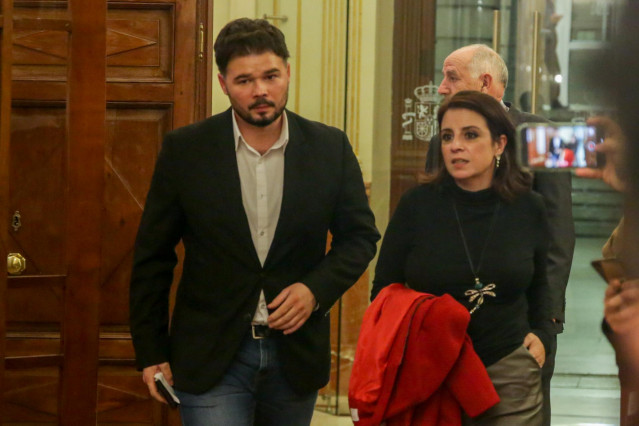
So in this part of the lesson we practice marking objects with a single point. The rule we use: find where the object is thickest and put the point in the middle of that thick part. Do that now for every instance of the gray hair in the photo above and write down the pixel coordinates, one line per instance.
(486, 60)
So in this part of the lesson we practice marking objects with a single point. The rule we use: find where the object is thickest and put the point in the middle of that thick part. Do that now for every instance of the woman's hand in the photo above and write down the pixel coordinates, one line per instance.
(621, 306)
(536, 348)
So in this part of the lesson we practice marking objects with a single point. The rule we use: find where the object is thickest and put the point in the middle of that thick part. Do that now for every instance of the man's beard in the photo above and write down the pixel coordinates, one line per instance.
(262, 121)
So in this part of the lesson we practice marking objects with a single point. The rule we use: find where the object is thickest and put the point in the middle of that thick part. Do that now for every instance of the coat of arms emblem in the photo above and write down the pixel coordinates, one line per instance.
(422, 113)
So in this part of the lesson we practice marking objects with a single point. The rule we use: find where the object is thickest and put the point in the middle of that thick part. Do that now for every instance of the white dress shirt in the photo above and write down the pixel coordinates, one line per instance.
(262, 183)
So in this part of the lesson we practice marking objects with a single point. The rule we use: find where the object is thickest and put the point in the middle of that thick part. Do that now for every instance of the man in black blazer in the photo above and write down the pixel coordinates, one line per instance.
(478, 67)
(252, 193)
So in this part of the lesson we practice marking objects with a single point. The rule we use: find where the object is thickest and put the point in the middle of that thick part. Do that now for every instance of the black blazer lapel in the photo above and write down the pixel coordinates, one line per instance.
(295, 188)
(227, 174)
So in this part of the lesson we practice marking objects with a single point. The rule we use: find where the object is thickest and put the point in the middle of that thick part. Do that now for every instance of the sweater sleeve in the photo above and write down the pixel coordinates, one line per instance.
(395, 245)
(538, 294)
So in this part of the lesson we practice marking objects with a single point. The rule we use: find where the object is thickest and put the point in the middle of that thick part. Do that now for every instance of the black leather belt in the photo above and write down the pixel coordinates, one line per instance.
(261, 331)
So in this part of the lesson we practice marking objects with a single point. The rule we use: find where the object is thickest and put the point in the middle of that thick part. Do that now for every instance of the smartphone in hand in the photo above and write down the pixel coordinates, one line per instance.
(166, 390)
(559, 146)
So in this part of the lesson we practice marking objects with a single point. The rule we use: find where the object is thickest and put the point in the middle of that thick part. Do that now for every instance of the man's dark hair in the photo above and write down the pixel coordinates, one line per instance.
(245, 36)
(509, 179)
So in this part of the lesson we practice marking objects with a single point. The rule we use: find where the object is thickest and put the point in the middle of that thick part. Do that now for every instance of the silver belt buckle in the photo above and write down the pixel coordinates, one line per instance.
(253, 333)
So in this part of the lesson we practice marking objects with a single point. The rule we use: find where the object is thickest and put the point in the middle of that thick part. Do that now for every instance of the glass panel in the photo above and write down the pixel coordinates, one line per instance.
(572, 36)
(591, 20)
(596, 97)
(462, 22)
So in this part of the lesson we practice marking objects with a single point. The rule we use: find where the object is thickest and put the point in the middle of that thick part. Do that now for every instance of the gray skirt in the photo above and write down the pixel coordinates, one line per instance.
(517, 380)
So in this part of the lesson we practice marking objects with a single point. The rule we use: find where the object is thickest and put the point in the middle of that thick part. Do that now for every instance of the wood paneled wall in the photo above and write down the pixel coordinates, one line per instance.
(413, 65)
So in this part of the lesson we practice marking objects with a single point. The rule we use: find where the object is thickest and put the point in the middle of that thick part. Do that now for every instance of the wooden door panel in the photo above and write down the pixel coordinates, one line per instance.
(115, 347)
(134, 138)
(140, 44)
(37, 176)
(123, 395)
(33, 305)
(21, 343)
(31, 396)
(39, 53)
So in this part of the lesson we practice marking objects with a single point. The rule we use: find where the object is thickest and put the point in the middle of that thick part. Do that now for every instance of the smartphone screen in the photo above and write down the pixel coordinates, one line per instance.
(559, 145)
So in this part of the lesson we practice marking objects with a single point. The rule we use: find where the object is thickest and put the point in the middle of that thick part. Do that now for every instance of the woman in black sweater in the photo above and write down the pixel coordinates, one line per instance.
(477, 232)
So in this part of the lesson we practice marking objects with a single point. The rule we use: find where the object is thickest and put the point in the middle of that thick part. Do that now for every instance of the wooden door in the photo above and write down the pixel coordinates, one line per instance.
(156, 80)
(413, 67)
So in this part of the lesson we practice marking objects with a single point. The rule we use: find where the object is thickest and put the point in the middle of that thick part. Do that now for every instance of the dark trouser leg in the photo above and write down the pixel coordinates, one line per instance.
(546, 375)
(517, 380)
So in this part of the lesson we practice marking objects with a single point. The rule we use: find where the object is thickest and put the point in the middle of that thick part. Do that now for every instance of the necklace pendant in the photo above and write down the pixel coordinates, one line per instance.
(478, 284)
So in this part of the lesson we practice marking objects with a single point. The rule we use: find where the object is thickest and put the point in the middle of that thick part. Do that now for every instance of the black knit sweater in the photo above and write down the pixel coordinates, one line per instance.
(423, 248)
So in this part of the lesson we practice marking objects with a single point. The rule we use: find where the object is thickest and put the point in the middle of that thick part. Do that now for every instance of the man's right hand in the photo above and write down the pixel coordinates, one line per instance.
(147, 377)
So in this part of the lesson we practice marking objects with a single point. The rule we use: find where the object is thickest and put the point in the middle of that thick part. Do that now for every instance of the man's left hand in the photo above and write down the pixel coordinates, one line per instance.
(292, 307)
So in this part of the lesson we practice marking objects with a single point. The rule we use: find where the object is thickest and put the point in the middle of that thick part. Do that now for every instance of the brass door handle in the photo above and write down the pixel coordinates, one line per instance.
(16, 263)
(496, 30)
(535, 61)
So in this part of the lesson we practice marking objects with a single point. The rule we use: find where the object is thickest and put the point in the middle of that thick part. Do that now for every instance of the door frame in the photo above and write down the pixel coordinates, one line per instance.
(86, 133)
(6, 30)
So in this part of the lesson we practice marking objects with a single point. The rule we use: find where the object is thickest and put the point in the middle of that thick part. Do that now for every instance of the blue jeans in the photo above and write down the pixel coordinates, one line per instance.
(253, 391)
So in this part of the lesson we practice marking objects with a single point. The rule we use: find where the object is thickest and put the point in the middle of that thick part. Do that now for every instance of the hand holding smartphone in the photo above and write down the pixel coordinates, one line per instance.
(559, 146)
(166, 390)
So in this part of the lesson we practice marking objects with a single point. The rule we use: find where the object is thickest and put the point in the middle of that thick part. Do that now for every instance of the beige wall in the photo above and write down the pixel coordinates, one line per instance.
(223, 12)
(382, 109)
